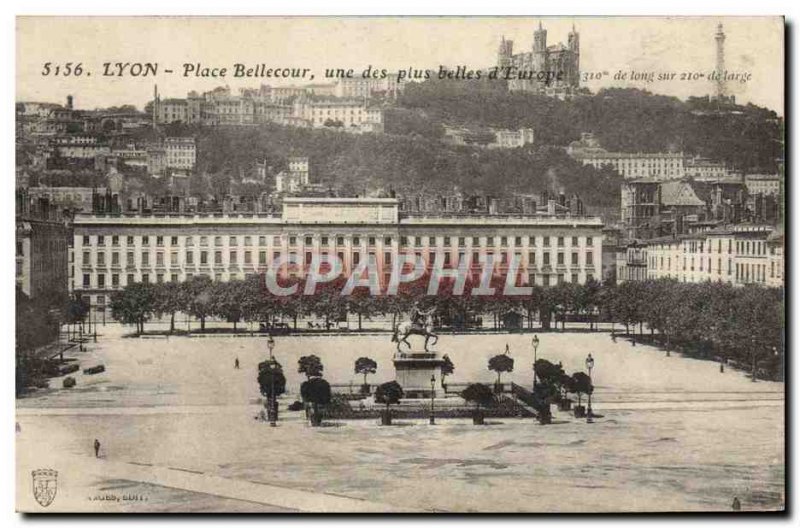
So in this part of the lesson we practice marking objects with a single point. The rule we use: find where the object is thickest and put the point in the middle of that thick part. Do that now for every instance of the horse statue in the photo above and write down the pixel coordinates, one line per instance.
(422, 327)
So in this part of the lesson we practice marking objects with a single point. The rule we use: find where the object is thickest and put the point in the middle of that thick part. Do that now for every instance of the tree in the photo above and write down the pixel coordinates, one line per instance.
(365, 365)
(549, 374)
(37, 325)
(581, 384)
(566, 385)
(76, 310)
(170, 297)
(501, 363)
(361, 303)
(228, 300)
(198, 291)
(271, 380)
(316, 391)
(760, 321)
(311, 366)
(479, 394)
(389, 393)
(134, 305)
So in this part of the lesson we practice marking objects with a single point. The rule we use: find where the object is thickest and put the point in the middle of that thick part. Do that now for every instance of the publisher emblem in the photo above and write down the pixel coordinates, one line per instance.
(45, 486)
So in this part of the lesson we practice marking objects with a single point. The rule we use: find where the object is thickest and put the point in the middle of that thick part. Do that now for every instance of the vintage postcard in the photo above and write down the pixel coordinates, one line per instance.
(400, 264)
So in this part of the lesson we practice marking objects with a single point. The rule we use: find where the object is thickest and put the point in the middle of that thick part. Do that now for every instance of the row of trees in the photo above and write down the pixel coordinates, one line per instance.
(708, 320)
(712, 320)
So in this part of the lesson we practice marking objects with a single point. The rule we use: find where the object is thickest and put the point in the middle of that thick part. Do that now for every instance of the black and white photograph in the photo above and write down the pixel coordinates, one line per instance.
(407, 264)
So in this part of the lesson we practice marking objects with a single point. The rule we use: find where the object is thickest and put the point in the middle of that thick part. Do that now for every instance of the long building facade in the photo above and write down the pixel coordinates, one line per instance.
(111, 251)
(659, 166)
(738, 254)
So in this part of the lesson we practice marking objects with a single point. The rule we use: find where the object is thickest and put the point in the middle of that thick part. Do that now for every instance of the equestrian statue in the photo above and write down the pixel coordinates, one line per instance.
(421, 324)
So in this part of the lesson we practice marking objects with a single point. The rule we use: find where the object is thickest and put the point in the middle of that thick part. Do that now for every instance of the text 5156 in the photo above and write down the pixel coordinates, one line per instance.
(68, 69)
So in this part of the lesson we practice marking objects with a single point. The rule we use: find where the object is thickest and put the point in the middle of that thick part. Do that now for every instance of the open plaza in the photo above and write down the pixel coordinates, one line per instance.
(178, 431)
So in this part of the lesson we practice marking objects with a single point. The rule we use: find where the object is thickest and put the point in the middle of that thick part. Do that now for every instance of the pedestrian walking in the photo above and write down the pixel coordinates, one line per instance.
(236, 363)
(96, 448)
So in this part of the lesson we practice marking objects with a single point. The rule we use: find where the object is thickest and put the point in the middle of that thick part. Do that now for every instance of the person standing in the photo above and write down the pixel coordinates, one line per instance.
(96, 448)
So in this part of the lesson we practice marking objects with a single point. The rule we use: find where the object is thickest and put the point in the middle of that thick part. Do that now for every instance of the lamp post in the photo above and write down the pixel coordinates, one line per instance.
(589, 365)
(271, 403)
(535, 344)
(432, 421)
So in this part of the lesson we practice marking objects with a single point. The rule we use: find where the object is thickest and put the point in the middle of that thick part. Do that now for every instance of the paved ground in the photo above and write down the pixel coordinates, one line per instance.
(174, 415)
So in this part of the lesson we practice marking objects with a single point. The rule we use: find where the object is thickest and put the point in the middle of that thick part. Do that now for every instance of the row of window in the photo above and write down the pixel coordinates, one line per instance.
(405, 241)
(751, 272)
(743, 247)
(233, 257)
(703, 264)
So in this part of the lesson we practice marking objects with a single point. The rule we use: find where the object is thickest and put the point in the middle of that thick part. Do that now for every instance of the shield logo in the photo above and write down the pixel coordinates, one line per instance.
(45, 486)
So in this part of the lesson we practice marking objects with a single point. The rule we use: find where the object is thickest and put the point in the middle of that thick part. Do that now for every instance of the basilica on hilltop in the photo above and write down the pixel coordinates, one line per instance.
(561, 62)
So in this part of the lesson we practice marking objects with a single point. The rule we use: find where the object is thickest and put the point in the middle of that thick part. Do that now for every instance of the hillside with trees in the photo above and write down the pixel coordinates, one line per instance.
(748, 137)
(362, 164)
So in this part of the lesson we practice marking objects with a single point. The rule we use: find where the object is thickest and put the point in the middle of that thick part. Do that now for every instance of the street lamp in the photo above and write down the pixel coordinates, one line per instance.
(271, 409)
(432, 421)
(589, 365)
(535, 344)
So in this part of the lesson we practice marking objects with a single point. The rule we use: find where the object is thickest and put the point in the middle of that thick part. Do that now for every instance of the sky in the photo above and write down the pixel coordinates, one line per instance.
(754, 46)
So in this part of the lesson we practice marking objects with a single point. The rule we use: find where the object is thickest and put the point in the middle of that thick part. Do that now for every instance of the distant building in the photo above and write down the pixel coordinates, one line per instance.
(321, 90)
(766, 184)
(612, 246)
(656, 166)
(631, 262)
(360, 88)
(112, 251)
(80, 147)
(131, 155)
(156, 160)
(181, 153)
(652, 209)
(295, 178)
(735, 254)
(72, 199)
(172, 111)
(513, 138)
(561, 62)
(488, 138)
(348, 116)
(42, 239)
(775, 243)
(703, 169)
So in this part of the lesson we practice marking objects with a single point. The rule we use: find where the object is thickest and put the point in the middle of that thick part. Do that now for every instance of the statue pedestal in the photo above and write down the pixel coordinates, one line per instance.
(414, 370)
